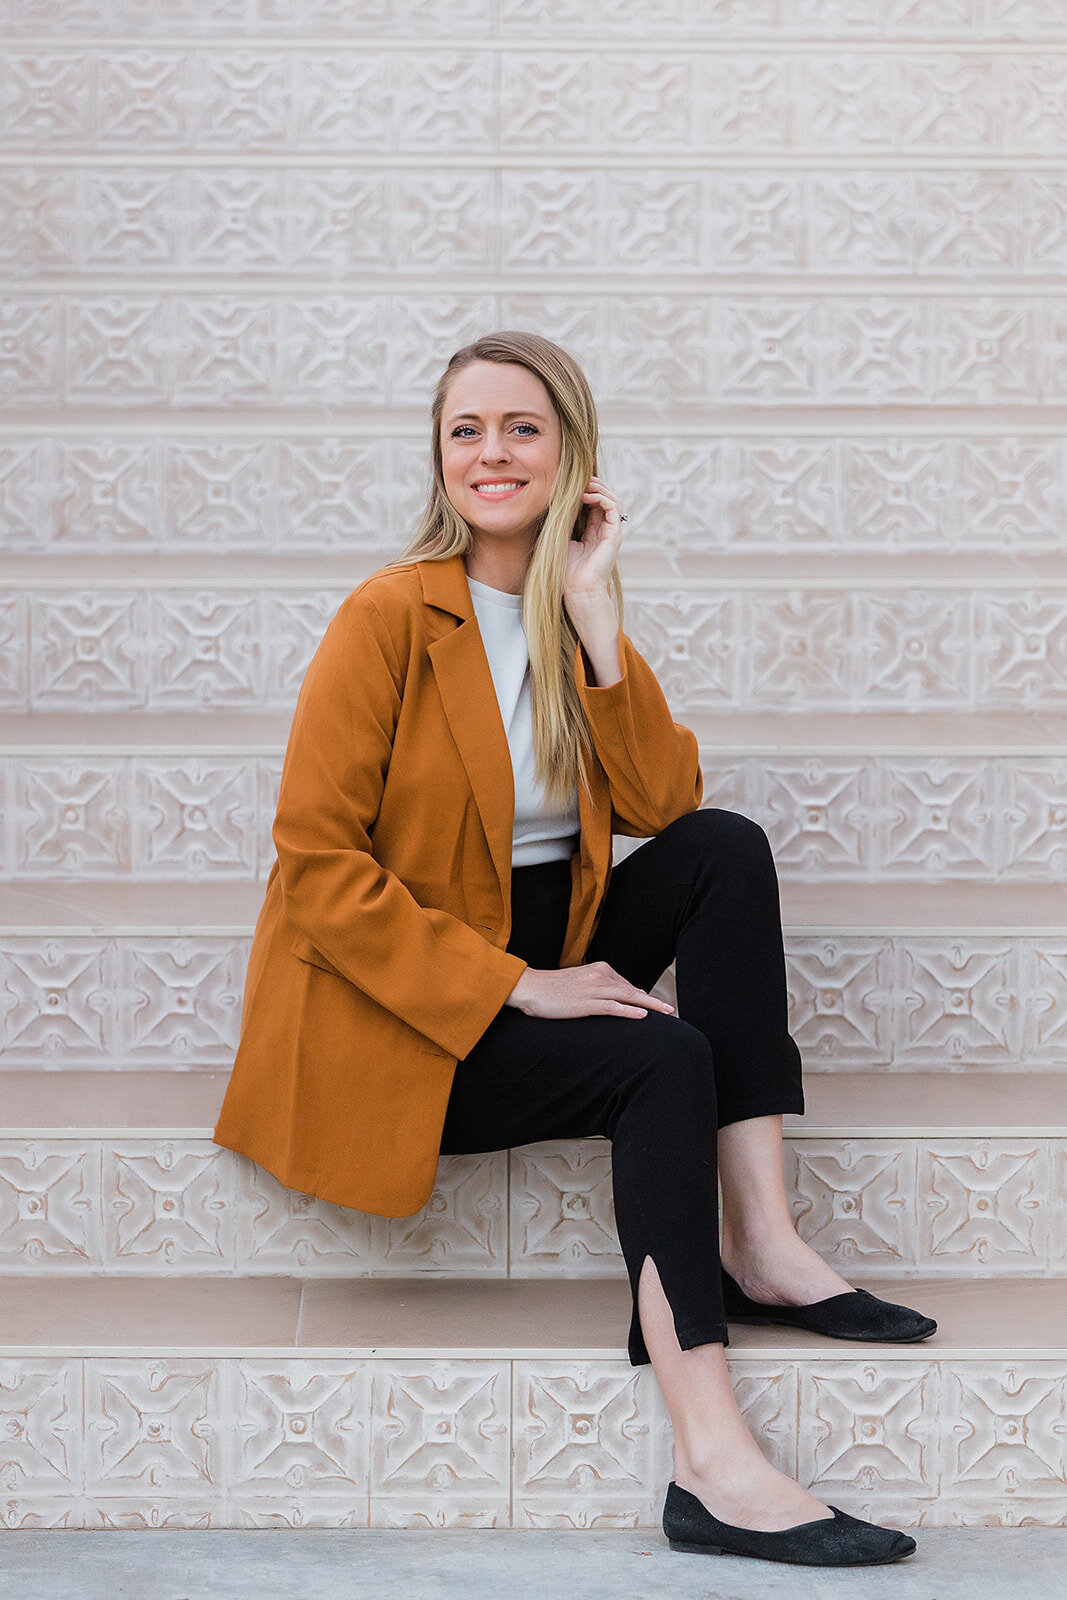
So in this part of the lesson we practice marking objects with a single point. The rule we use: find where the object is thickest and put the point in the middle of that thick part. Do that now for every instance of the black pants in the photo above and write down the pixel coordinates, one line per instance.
(704, 894)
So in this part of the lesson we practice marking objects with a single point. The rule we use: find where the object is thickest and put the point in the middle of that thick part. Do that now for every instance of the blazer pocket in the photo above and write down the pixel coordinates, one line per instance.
(302, 947)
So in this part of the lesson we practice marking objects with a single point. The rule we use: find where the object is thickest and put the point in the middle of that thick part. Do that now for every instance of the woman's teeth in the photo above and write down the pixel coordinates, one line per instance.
(496, 488)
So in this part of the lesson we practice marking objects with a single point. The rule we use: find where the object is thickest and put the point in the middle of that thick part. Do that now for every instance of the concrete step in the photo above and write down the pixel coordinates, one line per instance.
(949, 978)
(869, 814)
(117, 1173)
(148, 1402)
(184, 635)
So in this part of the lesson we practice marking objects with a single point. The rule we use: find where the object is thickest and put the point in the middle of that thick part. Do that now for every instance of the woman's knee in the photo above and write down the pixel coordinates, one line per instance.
(729, 837)
(672, 1052)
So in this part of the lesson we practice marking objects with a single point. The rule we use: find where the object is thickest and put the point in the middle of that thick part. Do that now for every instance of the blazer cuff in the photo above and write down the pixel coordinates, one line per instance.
(504, 969)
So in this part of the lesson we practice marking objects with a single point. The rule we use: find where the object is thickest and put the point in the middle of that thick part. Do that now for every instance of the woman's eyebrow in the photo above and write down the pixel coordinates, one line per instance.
(473, 414)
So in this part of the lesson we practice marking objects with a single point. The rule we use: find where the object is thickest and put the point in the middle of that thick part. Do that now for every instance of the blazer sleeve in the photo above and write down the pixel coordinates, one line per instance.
(423, 964)
(652, 762)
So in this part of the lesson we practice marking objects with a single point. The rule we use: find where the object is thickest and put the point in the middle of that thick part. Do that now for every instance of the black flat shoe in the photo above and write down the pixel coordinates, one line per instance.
(856, 1314)
(837, 1541)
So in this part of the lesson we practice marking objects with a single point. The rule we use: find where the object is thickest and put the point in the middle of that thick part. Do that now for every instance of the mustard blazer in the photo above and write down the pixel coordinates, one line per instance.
(380, 952)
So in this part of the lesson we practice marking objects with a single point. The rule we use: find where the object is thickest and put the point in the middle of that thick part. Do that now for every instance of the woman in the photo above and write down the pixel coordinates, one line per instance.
(447, 961)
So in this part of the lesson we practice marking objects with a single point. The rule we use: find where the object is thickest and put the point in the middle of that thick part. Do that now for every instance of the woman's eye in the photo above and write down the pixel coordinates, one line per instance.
(465, 427)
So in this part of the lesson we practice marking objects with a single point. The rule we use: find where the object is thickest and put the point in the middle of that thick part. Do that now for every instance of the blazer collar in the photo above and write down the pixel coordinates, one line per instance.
(444, 584)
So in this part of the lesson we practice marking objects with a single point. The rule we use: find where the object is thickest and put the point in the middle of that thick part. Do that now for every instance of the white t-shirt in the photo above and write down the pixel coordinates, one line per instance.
(542, 832)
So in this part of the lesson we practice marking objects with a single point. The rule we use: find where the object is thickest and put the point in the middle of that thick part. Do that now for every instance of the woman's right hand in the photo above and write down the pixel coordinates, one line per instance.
(586, 991)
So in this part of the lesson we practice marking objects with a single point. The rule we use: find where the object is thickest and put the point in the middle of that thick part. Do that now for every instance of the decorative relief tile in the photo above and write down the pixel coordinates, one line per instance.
(153, 1431)
(562, 1211)
(767, 1395)
(298, 1441)
(440, 1446)
(962, 1000)
(957, 1207)
(854, 1200)
(687, 501)
(801, 348)
(302, 1442)
(1005, 1435)
(42, 1462)
(913, 1003)
(591, 1445)
(985, 1200)
(843, 1004)
(50, 1205)
(862, 819)
(461, 1228)
(869, 1428)
(168, 1203)
(743, 650)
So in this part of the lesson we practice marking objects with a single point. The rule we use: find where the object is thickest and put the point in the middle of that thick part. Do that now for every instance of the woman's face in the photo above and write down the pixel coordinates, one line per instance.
(499, 427)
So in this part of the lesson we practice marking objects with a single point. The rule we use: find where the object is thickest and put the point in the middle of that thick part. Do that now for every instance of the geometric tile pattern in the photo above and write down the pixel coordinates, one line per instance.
(264, 1442)
(858, 1001)
(957, 1207)
(805, 348)
(797, 650)
(985, 102)
(403, 218)
(687, 497)
(848, 817)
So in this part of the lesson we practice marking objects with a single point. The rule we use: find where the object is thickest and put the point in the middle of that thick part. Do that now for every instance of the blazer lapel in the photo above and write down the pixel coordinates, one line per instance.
(468, 695)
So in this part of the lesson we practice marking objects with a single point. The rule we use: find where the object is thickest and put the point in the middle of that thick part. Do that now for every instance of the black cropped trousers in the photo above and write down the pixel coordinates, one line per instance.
(704, 894)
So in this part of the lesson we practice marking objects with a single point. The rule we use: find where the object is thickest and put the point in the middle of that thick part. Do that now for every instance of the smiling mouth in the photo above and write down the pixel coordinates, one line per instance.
(501, 491)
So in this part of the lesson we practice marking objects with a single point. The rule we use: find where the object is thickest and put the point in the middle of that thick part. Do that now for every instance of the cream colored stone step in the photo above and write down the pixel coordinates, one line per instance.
(130, 907)
(252, 732)
(117, 1173)
(185, 1105)
(251, 570)
(372, 1402)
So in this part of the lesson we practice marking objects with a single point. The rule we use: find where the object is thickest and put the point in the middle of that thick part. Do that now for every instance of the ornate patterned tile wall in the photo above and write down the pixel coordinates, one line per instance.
(947, 1206)
(93, 815)
(128, 1442)
(701, 492)
(905, 1003)
(741, 649)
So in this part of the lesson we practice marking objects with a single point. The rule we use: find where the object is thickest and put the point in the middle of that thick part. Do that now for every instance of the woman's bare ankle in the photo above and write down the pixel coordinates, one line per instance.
(779, 1267)
(750, 1493)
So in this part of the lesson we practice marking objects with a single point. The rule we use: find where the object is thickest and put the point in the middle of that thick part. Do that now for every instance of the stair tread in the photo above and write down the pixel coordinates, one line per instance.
(906, 1103)
(222, 905)
(326, 569)
(994, 733)
(502, 1317)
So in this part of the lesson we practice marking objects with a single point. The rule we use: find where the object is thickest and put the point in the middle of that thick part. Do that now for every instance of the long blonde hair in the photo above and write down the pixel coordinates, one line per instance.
(561, 736)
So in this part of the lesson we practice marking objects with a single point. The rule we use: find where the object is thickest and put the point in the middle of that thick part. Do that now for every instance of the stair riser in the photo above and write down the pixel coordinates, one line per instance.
(858, 1001)
(138, 1441)
(893, 817)
(971, 1207)
(801, 649)
(279, 492)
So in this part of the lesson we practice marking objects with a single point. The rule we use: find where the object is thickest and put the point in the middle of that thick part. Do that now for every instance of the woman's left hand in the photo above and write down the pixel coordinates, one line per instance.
(591, 558)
